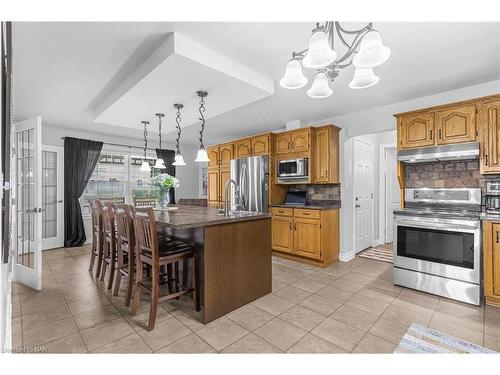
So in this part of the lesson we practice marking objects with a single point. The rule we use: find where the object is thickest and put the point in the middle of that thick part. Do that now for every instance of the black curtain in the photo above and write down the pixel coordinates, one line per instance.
(168, 157)
(80, 159)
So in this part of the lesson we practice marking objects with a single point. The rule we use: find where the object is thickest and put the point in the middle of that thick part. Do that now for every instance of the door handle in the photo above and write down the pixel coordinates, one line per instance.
(59, 201)
(290, 226)
(440, 134)
(357, 205)
(430, 133)
(498, 236)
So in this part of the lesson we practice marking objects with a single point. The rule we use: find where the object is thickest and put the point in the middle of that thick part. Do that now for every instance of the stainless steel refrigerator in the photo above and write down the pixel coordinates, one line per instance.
(252, 178)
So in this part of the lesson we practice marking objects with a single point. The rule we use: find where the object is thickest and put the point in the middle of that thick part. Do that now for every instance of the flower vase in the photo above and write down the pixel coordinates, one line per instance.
(165, 198)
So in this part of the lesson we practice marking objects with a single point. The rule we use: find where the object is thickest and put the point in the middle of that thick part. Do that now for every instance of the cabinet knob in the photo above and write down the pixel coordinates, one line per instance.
(498, 236)
(430, 133)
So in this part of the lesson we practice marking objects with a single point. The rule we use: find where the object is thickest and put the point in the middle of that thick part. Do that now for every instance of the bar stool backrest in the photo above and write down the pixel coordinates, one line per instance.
(145, 233)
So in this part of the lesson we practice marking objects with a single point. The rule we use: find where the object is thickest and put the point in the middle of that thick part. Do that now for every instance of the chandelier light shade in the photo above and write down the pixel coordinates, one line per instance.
(372, 52)
(363, 78)
(363, 48)
(145, 165)
(320, 87)
(178, 160)
(202, 155)
(294, 78)
(319, 54)
(159, 164)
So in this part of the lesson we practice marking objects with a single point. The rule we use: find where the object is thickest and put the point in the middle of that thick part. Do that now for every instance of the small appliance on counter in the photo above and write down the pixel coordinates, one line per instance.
(296, 198)
(492, 197)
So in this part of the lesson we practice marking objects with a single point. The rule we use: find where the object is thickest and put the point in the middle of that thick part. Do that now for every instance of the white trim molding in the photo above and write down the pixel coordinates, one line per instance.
(346, 257)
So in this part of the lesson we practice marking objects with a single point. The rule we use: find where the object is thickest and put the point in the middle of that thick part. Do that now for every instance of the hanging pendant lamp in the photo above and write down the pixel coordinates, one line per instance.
(202, 156)
(159, 164)
(145, 165)
(179, 160)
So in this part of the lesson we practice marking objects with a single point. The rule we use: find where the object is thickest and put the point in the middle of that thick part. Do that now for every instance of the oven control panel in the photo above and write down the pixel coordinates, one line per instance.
(444, 196)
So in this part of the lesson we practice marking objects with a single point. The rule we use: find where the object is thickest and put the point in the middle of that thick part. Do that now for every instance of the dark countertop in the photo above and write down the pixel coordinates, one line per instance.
(313, 205)
(492, 217)
(194, 217)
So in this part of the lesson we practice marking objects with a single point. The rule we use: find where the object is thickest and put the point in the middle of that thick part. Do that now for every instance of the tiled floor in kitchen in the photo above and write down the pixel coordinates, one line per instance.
(347, 307)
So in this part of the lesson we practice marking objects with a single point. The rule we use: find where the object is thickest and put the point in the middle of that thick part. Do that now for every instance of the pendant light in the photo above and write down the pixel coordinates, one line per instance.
(179, 160)
(372, 51)
(363, 78)
(294, 78)
(202, 156)
(159, 164)
(320, 53)
(145, 165)
(320, 87)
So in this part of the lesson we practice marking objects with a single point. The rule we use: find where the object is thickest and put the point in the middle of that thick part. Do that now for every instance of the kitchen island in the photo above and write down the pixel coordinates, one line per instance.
(234, 253)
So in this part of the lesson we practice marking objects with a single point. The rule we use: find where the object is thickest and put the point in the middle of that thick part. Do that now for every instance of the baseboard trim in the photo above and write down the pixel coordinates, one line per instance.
(347, 256)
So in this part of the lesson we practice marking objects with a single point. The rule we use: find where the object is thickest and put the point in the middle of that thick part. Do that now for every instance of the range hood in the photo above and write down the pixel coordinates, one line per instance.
(459, 151)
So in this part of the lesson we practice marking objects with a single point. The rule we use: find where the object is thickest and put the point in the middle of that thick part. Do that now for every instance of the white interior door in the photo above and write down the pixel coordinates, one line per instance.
(391, 192)
(28, 203)
(363, 194)
(52, 197)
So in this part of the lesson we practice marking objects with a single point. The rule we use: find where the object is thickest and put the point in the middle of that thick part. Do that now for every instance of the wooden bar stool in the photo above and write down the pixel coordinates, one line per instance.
(109, 243)
(125, 249)
(96, 238)
(170, 253)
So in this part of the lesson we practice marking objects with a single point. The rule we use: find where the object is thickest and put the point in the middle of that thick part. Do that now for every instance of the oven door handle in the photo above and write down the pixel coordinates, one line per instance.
(449, 227)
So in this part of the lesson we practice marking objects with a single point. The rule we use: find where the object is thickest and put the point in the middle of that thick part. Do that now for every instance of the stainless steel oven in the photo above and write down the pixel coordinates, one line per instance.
(437, 245)
(293, 169)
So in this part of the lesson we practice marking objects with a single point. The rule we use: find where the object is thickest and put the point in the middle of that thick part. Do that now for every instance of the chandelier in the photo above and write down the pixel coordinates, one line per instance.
(364, 50)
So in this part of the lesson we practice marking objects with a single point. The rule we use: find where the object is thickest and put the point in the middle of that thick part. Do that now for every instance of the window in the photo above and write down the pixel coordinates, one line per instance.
(117, 178)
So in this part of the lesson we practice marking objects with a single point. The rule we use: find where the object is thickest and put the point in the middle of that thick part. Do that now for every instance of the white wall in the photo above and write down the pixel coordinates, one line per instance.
(379, 120)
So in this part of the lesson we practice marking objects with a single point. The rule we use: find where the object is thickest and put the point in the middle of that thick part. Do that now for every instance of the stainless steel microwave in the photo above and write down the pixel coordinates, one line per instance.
(294, 168)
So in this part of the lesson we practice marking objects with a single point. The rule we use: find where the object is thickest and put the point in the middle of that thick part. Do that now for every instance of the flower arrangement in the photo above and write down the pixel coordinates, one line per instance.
(165, 182)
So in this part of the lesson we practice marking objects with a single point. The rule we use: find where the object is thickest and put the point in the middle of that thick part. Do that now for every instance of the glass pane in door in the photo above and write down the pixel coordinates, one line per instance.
(25, 198)
(49, 194)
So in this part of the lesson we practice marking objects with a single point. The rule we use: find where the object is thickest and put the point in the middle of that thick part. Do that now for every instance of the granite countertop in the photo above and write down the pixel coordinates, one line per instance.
(313, 205)
(194, 217)
(485, 216)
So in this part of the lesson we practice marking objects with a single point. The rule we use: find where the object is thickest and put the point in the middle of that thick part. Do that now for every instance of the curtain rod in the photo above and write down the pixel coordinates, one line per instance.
(121, 145)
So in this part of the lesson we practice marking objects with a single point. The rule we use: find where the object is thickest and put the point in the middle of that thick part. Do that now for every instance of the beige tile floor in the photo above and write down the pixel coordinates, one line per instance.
(347, 307)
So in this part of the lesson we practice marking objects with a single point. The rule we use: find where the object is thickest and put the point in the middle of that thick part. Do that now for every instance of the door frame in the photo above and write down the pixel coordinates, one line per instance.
(383, 190)
(353, 202)
(60, 194)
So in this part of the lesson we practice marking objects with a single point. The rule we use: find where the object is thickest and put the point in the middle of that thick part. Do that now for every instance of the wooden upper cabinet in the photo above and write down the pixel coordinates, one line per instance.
(282, 233)
(260, 145)
(213, 155)
(456, 125)
(307, 238)
(282, 143)
(226, 154)
(300, 140)
(243, 148)
(322, 155)
(416, 131)
(489, 120)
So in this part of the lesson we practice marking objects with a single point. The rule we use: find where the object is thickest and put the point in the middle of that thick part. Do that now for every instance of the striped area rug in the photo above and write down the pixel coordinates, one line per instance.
(382, 253)
(423, 340)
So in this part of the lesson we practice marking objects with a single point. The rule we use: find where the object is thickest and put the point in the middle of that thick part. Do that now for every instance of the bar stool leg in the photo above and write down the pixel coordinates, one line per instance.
(155, 291)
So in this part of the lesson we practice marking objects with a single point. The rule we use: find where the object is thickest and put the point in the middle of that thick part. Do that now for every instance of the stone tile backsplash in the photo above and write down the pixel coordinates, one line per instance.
(326, 192)
(444, 174)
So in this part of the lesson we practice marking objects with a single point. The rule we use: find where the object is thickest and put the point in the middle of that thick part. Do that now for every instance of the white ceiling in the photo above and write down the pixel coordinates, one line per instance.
(62, 71)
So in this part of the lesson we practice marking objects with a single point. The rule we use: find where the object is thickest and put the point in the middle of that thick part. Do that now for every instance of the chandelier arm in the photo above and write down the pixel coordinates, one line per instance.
(345, 31)
(355, 44)
(341, 37)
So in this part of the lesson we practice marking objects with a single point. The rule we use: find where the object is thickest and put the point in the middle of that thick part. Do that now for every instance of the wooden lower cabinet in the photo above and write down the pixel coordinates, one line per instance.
(491, 254)
(307, 235)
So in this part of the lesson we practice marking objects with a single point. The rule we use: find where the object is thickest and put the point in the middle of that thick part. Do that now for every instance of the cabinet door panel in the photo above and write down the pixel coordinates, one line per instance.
(322, 155)
(225, 175)
(243, 148)
(300, 140)
(496, 259)
(417, 131)
(226, 154)
(307, 238)
(282, 234)
(213, 155)
(282, 143)
(489, 118)
(260, 145)
(456, 125)
(213, 185)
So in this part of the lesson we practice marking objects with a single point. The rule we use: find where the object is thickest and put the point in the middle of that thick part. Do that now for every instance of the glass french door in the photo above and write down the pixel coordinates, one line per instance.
(27, 230)
(52, 197)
